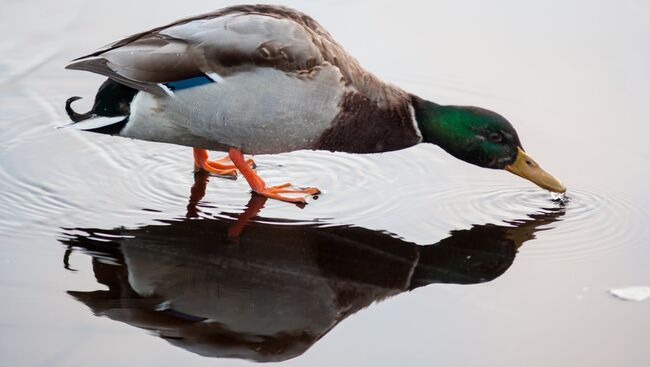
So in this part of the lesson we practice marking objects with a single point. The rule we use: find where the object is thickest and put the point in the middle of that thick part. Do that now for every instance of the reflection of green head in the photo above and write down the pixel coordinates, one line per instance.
(479, 254)
(472, 134)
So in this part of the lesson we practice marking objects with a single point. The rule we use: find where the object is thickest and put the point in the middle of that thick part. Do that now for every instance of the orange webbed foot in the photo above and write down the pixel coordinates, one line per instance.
(222, 166)
(274, 192)
(259, 186)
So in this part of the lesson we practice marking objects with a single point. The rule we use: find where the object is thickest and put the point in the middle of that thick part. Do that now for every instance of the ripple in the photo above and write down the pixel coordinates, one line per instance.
(379, 191)
(354, 187)
(592, 224)
(77, 179)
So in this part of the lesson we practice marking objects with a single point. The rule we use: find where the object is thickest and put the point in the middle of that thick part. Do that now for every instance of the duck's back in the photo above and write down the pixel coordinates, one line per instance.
(265, 79)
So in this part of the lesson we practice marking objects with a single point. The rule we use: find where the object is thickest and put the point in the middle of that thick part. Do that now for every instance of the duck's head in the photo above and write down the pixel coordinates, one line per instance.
(480, 137)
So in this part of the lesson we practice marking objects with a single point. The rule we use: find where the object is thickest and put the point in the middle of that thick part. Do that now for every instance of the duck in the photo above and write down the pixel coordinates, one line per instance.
(264, 79)
(282, 288)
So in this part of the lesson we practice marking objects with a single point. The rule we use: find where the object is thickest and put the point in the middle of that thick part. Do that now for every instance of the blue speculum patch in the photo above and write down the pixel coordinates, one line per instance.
(189, 83)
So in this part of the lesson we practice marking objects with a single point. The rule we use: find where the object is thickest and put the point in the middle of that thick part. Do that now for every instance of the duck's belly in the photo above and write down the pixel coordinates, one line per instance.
(260, 111)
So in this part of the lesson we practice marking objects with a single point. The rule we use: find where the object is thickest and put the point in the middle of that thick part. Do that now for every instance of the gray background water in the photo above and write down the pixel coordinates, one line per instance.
(573, 78)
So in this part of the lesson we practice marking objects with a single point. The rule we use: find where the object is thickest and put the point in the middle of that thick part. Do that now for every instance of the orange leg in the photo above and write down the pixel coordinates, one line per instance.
(255, 204)
(217, 166)
(197, 193)
(259, 186)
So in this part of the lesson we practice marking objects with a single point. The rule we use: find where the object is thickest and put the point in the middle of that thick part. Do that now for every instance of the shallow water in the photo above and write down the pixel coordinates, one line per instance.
(114, 252)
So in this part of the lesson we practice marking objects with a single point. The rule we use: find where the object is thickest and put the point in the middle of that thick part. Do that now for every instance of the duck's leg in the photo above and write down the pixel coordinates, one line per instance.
(217, 166)
(255, 204)
(197, 193)
(259, 186)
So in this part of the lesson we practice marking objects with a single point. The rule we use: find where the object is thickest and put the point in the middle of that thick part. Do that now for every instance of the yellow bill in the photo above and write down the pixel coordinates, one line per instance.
(526, 167)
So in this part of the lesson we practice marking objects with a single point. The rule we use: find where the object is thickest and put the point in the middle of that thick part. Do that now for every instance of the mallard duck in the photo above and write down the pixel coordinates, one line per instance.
(282, 288)
(261, 79)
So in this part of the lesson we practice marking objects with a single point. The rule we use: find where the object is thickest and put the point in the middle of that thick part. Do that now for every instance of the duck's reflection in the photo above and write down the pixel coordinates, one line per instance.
(274, 290)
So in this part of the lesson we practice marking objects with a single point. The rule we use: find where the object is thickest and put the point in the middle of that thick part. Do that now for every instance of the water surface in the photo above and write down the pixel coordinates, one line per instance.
(114, 252)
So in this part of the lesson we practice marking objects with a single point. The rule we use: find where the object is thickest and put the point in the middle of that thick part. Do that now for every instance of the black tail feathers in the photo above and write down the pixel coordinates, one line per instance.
(110, 112)
(113, 99)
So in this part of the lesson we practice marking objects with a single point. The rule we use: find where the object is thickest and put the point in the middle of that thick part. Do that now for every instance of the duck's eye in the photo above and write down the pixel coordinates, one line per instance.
(495, 137)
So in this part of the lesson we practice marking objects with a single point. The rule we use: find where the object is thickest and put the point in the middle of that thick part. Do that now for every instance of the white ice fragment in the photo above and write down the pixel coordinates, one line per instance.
(632, 293)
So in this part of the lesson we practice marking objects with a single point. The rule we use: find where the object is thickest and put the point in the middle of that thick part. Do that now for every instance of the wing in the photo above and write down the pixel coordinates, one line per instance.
(214, 44)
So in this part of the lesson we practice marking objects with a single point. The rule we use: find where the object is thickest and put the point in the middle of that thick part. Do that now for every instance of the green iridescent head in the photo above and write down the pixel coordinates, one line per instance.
(480, 137)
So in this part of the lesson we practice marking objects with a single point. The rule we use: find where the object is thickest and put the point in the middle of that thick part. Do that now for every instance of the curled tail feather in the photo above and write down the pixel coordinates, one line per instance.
(110, 111)
(75, 116)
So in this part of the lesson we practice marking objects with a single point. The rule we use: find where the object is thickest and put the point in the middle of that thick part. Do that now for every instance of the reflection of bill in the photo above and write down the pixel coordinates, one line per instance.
(272, 292)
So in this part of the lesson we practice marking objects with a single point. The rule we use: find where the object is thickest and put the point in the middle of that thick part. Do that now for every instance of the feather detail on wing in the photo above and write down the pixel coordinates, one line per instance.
(143, 64)
(228, 41)
(212, 46)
